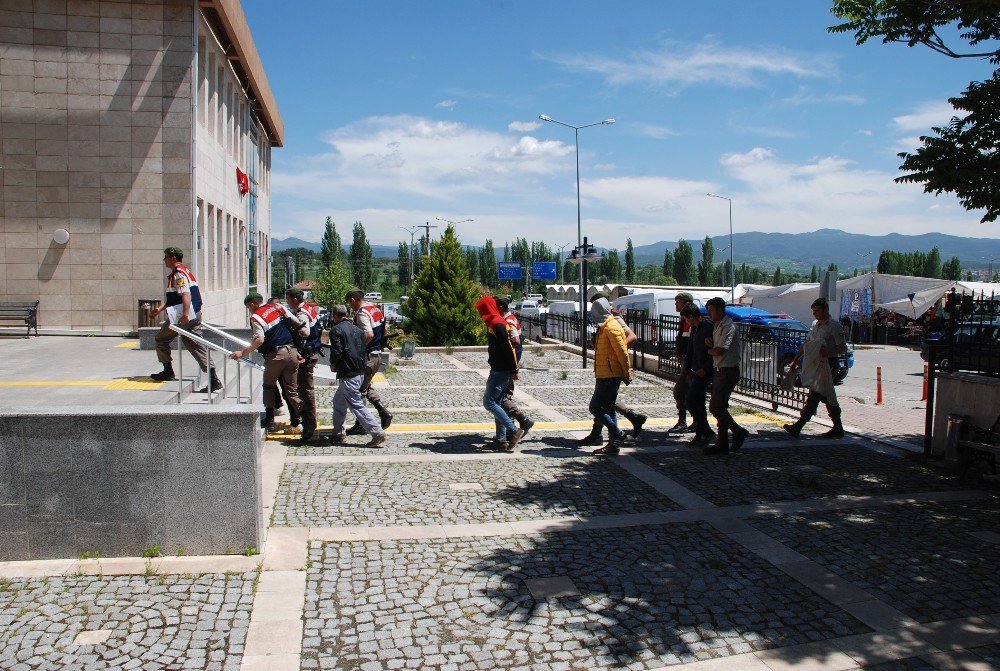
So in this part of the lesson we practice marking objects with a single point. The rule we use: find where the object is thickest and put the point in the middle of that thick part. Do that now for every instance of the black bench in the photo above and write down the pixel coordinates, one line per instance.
(25, 312)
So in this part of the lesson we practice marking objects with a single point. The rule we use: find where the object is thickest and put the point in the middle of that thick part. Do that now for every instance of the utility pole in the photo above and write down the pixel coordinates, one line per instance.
(412, 232)
(427, 226)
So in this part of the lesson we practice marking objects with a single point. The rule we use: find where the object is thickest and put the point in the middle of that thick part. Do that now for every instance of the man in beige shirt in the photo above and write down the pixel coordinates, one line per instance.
(724, 346)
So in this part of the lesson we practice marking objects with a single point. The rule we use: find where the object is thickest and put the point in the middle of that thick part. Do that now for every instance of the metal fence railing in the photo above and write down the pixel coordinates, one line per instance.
(970, 338)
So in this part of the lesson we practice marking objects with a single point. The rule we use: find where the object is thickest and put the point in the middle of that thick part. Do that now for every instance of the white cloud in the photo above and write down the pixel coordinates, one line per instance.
(676, 65)
(523, 126)
(653, 130)
(803, 97)
(925, 116)
(865, 132)
(447, 104)
(764, 130)
(650, 196)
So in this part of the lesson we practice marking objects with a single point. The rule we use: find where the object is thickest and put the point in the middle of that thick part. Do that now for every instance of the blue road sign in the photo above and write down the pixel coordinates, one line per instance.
(508, 270)
(543, 270)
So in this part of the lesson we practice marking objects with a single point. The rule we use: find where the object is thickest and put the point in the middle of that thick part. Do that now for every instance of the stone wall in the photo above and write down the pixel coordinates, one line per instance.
(121, 480)
(96, 105)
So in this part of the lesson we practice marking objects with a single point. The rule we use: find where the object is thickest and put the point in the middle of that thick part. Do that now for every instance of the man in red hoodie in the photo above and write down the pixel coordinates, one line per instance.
(503, 369)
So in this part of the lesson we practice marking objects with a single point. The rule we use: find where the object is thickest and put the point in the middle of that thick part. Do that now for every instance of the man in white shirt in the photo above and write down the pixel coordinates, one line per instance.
(825, 339)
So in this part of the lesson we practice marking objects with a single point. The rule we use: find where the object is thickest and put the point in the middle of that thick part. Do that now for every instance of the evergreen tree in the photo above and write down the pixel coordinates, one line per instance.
(832, 267)
(952, 269)
(705, 265)
(571, 273)
(403, 258)
(777, 279)
(932, 266)
(331, 247)
(613, 266)
(472, 263)
(814, 275)
(332, 284)
(506, 252)
(488, 266)
(361, 259)
(629, 262)
(684, 264)
(441, 308)
(668, 263)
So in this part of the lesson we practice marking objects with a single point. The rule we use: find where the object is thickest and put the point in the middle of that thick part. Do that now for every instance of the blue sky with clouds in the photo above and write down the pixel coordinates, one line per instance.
(400, 112)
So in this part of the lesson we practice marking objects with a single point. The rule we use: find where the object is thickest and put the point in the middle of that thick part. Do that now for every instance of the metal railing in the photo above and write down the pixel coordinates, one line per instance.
(210, 346)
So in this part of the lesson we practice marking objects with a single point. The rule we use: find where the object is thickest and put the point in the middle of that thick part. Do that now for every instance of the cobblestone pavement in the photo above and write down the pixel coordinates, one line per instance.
(796, 472)
(922, 558)
(156, 622)
(378, 494)
(645, 597)
(474, 442)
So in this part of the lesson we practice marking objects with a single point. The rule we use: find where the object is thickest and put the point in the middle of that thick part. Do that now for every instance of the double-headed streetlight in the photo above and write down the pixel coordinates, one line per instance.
(579, 232)
(412, 232)
(863, 256)
(732, 283)
(561, 248)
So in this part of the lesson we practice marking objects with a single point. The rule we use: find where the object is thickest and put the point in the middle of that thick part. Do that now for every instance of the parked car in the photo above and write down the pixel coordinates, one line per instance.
(373, 296)
(974, 346)
(392, 313)
(788, 334)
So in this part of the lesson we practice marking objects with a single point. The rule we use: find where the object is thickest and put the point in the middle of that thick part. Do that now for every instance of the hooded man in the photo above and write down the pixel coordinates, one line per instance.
(611, 368)
(503, 368)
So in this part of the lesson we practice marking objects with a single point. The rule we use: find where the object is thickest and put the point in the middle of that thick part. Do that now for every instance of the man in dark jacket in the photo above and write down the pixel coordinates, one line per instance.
(348, 358)
(503, 369)
(700, 368)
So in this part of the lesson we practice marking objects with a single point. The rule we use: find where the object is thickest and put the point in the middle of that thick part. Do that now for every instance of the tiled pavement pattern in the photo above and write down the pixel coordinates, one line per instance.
(796, 473)
(433, 553)
(923, 558)
(379, 494)
(648, 597)
(156, 622)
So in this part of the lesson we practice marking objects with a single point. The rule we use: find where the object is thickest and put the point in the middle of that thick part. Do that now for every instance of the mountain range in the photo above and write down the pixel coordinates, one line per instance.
(791, 251)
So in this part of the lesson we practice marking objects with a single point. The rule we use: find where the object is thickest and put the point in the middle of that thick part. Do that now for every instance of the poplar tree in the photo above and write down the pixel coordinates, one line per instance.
(488, 265)
(331, 247)
(332, 284)
(361, 258)
(705, 266)
(668, 263)
(403, 257)
(441, 308)
(629, 262)
(684, 264)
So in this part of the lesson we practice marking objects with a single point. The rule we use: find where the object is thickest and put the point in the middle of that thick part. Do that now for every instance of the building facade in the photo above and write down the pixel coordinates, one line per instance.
(126, 125)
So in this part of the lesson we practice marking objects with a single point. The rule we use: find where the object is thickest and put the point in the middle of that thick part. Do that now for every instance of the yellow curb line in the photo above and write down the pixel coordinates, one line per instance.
(127, 344)
(123, 384)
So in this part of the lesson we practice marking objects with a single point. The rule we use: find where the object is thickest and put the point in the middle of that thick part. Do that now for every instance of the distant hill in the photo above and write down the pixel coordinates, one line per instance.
(800, 251)
(279, 245)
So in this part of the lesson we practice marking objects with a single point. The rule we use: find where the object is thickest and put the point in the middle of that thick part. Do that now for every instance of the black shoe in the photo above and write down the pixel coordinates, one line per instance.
(702, 439)
(294, 420)
(637, 423)
(590, 441)
(793, 429)
(308, 429)
(680, 427)
(716, 449)
(269, 428)
(356, 430)
(385, 420)
(215, 383)
(163, 376)
(526, 425)
(833, 433)
(739, 437)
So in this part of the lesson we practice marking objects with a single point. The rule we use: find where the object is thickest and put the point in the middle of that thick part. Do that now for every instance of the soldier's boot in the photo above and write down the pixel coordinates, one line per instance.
(267, 421)
(308, 426)
(166, 375)
(384, 416)
(594, 438)
(213, 381)
(637, 419)
(838, 428)
(356, 430)
(796, 428)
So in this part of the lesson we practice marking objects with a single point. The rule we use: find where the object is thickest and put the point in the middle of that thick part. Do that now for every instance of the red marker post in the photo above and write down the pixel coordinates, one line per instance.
(923, 395)
(878, 385)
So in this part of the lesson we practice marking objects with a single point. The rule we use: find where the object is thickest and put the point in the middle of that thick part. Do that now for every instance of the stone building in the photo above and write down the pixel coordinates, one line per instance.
(124, 124)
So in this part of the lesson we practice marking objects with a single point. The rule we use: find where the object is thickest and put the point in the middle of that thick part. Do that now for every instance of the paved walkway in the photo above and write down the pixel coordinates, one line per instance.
(433, 553)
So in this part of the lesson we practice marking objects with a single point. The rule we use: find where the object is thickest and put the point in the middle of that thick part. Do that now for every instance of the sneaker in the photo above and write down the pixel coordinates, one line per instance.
(376, 440)
(739, 437)
(356, 430)
(637, 425)
(163, 376)
(526, 425)
(680, 427)
(216, 386)
(514, 440)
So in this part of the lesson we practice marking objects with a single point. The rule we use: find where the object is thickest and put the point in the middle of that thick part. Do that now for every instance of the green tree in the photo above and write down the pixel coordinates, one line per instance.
(332, 284)
(361, 258)
(814, 275)
(613, 266)
(488, 266)
(705, 266)
(403, 257)
(629, 262)
(962, 157)
(472, 263)
(684, 264)
(777, 279)
(330, 247)
(932, 266)
(668, 263)
(441, 308)
(952, 269)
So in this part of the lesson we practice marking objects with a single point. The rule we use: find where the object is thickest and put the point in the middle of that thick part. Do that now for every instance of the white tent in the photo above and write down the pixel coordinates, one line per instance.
(791, 299)
(741, 291)
(978, 289)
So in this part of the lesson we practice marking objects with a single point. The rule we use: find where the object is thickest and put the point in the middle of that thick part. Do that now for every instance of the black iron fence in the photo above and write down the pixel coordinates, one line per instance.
(765, 352)
(970, 337)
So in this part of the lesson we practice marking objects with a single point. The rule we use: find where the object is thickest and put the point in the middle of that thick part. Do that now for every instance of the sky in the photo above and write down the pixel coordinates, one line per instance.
(397, 113)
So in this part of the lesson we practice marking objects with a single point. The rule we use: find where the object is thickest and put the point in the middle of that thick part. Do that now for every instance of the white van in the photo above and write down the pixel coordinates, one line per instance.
(534, 297)
(373, 296)
(654, 304)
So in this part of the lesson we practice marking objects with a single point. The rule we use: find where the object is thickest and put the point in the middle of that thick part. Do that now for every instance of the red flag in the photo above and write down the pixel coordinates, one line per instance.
(243, 181)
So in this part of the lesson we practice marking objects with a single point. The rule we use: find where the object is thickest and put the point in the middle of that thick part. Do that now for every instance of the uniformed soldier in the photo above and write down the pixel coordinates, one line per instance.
(308, 316)
(369, 318)
(272, 327)
(182, 290)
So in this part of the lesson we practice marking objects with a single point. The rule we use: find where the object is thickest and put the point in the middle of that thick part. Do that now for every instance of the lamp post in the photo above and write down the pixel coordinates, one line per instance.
(561, 248)
(579, 233)
(732, 284)
(863, 256)
(582, 254)
(412, 232)
(453, 223)
(990, 276)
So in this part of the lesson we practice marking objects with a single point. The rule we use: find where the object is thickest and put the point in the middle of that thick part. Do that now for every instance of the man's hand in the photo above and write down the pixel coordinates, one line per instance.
(237, 355)
(515, 376)
(182, 320)
(709, 342)
(628, 379)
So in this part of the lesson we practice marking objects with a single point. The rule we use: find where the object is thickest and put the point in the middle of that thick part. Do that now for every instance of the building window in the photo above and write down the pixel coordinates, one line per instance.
(211, 103)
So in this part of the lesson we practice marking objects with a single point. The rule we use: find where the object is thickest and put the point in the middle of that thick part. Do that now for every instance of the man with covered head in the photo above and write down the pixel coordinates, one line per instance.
(611, 368)
(503, 368)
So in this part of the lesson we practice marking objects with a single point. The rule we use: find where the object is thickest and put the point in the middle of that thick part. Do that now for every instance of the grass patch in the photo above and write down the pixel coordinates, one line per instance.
(152, 552)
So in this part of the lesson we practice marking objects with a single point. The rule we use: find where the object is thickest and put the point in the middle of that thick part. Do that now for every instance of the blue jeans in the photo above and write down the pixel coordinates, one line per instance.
(602, 403)
(496, 385)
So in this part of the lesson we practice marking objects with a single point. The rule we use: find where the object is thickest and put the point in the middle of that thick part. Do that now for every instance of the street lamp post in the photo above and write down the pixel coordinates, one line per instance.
(732, 266)
(579, 233)
(561, 248)
(412, 232)
(863, 256)
(989, 278)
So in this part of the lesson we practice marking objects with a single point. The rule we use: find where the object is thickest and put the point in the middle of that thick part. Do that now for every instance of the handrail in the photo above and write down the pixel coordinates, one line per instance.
(225, 352)
(224, 334)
